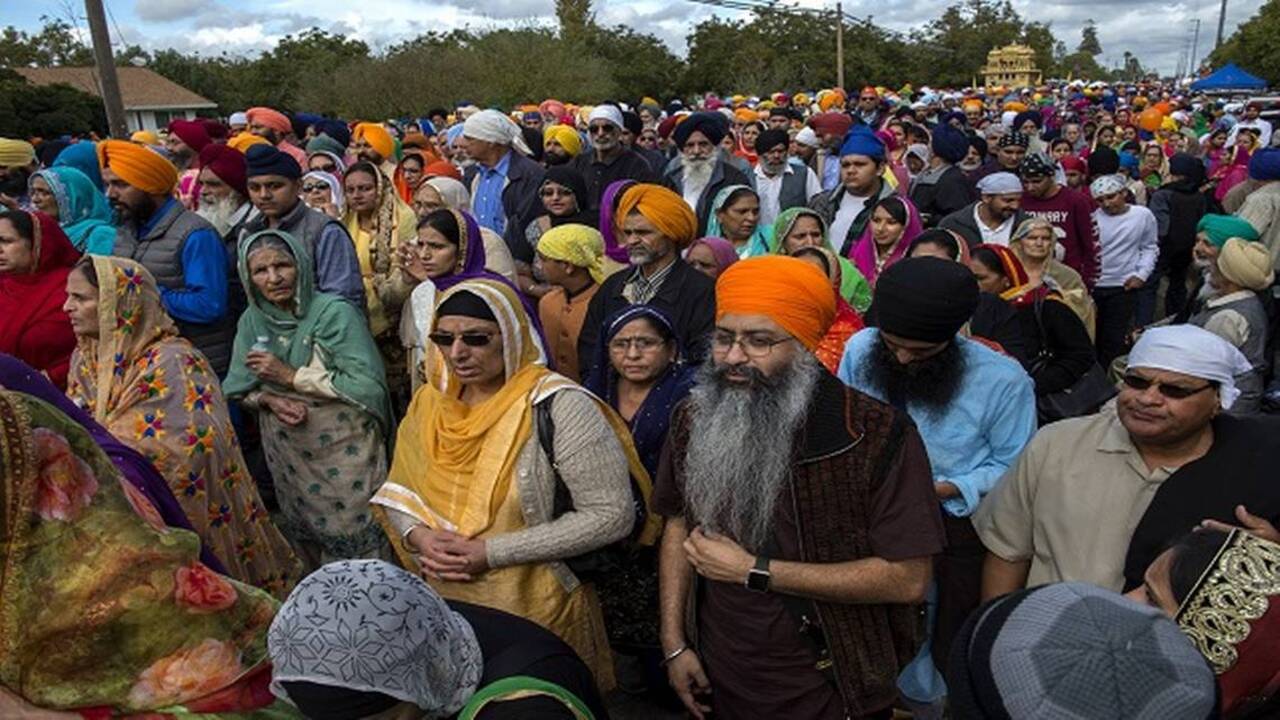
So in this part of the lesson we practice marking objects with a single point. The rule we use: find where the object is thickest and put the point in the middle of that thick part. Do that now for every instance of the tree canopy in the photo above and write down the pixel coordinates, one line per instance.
(1255, 46)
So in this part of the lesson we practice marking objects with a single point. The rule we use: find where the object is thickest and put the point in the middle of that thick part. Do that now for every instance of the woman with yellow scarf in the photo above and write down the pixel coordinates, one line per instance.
(470, 501)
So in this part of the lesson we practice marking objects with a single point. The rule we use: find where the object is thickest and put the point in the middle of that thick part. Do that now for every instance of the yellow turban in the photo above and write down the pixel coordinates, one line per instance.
(246, 140)
(668, 212)
(146, 137)
(831, 99)
(1247, 264)
(138, 165)
(575, 244)
(16, 153)
(791, 292)
(377, 137)
(746, 115)
(566, 137)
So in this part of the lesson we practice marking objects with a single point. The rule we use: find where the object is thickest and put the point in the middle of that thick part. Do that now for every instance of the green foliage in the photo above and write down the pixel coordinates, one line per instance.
(27, 110)
(1255, 46)
(955, 44)
(1089, 43)
(55, 44)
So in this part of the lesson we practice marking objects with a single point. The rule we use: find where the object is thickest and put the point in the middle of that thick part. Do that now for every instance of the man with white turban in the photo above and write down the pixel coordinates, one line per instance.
(609, 160)
(993, 217)
(1096, 498)
(504, 182)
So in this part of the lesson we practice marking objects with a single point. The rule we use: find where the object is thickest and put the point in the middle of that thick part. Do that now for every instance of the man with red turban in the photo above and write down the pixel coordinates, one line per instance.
(806, 508)
(185, 140)
(655, 225)
(275, 127)
(224, 198)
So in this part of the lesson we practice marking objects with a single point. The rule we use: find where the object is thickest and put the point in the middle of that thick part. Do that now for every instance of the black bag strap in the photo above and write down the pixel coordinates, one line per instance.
(545, 427)
(1043, 357)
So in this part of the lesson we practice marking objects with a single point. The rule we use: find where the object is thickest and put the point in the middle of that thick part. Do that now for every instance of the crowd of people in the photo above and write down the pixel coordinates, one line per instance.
(951, 403)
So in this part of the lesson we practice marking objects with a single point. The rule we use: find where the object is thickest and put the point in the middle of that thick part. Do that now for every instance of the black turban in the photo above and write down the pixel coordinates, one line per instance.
(1103, 161)
(770, 139)
(949, 143)
(264, 159)
(925, 298)
(712, 124)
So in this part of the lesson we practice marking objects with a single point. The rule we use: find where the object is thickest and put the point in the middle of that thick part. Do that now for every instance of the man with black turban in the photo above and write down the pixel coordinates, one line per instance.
(781, 183)
(703, 170)
(974, 408)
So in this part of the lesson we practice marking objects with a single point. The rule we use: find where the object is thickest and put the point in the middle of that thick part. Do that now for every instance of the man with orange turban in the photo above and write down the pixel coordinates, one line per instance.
(655, 225)
(798, 501)
(181, 249)
(372, 142)
(275, 127)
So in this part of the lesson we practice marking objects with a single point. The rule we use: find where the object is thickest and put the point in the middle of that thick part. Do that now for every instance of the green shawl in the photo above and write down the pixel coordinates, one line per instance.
(854, 288)
(319, 323)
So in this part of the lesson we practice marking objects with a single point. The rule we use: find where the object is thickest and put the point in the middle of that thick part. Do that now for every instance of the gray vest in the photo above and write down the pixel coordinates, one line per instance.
(792, 192)
(1254, 349)
(305, 224)
(160, 252)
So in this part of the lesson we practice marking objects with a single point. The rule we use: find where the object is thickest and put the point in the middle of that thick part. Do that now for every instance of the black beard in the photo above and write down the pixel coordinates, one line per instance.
(553, 159)
(136, 214)
(931, 382)
(15, 184)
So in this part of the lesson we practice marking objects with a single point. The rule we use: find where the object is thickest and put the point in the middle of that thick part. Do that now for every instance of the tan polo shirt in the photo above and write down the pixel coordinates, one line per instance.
(1071, 502)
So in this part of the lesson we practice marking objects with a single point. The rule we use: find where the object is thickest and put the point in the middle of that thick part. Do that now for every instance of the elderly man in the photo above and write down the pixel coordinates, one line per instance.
(17, 163)
(847, 209)
(273, 179)
(800, 520)
(1130, 244)
(781, 183)
(610, 159)
(275, 127)
(871, 111)
(224, 197)
(560, 145)
(942, 188)
(1070, 212)
(702, 171)
(181, 249)
(993, 218)
(185, 140)
(372, 143)
(1097, 498)
(974, 407)
(830, 129)
(504, 181)
(655, 227)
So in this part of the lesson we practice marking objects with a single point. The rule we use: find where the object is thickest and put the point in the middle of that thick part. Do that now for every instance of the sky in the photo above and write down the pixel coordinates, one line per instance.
(1157, 31)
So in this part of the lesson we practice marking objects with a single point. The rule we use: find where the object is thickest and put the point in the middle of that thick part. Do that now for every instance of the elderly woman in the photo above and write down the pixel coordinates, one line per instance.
(1033, 243)
(305, 362)
(440, 192)
(470, 501)
(735, 216)
(1234, 312)
(68, 196)
(801, 227)
(156, 393)
(35, 259)
(711, 256)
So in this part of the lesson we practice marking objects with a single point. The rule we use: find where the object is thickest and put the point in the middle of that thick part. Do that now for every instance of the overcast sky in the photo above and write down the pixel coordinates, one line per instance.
(1157, 31)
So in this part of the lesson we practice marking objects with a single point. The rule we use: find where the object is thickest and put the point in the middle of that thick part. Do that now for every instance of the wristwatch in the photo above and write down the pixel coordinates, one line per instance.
(758, 577)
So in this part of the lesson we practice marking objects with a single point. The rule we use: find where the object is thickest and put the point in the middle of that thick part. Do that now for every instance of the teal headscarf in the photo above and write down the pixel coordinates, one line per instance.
(319, 323)
(1221, 228)
(83, 212)
(854, 288)
(758, 244)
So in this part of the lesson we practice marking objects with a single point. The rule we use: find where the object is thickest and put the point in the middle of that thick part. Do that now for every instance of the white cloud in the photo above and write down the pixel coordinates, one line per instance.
(167, 10)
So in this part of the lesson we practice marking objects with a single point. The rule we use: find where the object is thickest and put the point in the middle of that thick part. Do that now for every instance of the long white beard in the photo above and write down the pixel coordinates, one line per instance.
(697, 173)
(220, 214)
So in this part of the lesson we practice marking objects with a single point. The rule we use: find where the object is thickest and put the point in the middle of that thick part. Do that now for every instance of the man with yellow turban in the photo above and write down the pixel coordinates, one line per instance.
(17, 163)
(181, 249)
(560, 145)
(655, 225)
(275, 127)
(571, 257)
(372, 143)
(797, 500)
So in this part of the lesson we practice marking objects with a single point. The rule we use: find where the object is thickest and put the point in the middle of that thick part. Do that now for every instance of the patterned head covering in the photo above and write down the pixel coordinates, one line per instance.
(370, 627)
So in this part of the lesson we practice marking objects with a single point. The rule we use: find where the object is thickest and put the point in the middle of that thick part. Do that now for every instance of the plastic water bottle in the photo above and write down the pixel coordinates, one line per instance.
(262, 344)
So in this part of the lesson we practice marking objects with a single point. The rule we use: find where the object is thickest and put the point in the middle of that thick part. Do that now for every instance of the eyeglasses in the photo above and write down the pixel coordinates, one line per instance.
(753, 345)
(601, 129)
(641, 343)
(315, 187)
(470, 339)
(1172, 392)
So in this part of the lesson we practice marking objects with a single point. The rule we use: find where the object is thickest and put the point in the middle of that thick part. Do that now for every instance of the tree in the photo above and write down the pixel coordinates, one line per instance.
(1089, 44)
(575, 18)
(55, 44)
(1255, 45)
(46, 111)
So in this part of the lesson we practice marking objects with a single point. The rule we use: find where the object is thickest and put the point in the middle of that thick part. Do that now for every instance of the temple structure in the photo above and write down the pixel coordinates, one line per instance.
(1011, 66)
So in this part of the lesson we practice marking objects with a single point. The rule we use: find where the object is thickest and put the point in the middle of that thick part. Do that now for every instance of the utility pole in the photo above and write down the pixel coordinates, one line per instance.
(108, 83)
(1195, 45)
(840, 46)
(1222, 21)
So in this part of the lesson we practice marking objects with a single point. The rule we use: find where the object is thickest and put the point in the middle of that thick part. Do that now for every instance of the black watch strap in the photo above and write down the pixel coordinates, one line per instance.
(758, 578)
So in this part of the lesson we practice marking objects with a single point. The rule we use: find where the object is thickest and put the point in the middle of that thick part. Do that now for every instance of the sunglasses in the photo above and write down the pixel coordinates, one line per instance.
(1172, 392)
(470, 339)
(601, 129)
(314, 187)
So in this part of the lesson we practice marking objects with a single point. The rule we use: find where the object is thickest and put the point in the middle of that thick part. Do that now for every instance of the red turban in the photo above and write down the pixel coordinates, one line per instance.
(191, 133)
(1072, 162)
(442, 168)
(831, 123)
(791, 292)
(138, 165)
(273, 119)
(668, 212)
(216, 130)
(228, 164)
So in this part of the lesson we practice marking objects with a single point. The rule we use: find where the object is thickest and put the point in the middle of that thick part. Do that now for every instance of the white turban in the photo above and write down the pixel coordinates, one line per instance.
(1000, 183)
(492, 126)
(807, 137)
(1193, 351)
(1106, 185)
(1006, 118)
(608, 113)
(238, 118)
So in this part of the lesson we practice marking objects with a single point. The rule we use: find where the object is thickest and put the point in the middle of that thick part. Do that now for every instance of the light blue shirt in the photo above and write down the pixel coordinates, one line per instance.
(487, 203)
(831, 172)
(982, 430)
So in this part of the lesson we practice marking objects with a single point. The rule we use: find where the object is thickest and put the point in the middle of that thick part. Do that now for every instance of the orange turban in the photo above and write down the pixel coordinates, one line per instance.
(791, 292)
(664, 208)
(138, 165)
(833, 99)
(273, 119)
(246, 140)
(746, 115)
(377, 137)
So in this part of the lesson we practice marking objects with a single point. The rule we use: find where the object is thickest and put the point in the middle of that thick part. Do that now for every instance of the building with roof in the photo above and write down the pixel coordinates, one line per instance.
(1011, 66)
(150, 100)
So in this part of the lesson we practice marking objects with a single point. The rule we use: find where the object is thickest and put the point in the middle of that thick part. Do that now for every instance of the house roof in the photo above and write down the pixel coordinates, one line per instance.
(140, 88)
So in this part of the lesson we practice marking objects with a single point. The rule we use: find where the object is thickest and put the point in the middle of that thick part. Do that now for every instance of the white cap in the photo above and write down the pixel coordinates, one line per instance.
(608, 113)
(238, 118)
(808, 137)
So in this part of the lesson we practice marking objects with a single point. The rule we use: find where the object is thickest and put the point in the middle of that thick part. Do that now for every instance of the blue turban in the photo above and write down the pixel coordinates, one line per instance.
(265, 159)
(335, 129)
(1032, 115)
(949, 143)
(861, 141)
(1265, 164)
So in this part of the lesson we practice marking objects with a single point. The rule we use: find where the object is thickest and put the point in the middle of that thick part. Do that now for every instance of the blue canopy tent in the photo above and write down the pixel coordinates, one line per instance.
(1229, 77)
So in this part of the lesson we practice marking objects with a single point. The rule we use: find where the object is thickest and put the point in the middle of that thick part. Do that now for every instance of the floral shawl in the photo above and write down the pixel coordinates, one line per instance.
(103, 609)
(83, 212)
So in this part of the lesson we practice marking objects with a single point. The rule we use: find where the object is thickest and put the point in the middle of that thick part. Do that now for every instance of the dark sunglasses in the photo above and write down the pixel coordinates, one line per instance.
(1172, 392)
(470, 339)
(315, 187)
(602, 129)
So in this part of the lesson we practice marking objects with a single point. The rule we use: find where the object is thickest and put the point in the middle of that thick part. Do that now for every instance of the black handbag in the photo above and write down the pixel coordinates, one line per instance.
(1084, 397)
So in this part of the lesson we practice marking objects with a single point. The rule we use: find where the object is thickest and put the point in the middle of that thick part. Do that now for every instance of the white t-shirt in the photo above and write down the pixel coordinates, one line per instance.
(850, 206)
(1130, 244)
(998, 236)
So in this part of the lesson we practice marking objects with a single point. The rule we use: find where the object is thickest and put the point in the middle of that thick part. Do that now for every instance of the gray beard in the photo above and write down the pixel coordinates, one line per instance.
(697, 173)
(740, 448)
(220, 213)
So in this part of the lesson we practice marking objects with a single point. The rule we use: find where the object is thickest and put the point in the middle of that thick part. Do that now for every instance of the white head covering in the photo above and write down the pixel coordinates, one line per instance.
(452, 192)
(1194, 351)
(808, 137)
(368, 626)
(335, 187)
(1006, 118)
(1106, 185)
(919, 150)
(1000, 183)
(492, 126)
(238, 118)
(608, 113)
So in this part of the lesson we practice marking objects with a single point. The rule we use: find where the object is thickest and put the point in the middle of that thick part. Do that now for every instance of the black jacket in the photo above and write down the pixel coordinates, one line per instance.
(630, 165)
(938, 198)
(687, 296)
(1178, 207)
(962, 221)
(1070, 352)
(722, 177)
(827, 204)
(520, 201)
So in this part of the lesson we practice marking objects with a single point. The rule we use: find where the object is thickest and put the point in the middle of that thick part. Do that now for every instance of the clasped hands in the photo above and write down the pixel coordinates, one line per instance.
(445, 555)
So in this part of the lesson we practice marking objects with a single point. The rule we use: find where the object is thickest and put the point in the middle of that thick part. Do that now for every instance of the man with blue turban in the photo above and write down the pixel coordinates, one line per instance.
(847, 208)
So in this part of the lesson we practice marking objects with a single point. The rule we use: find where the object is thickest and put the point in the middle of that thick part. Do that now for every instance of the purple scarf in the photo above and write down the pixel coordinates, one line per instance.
(608, 206)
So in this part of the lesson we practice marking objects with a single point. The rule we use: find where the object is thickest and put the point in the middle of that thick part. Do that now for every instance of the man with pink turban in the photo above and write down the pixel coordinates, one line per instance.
(275, 127)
